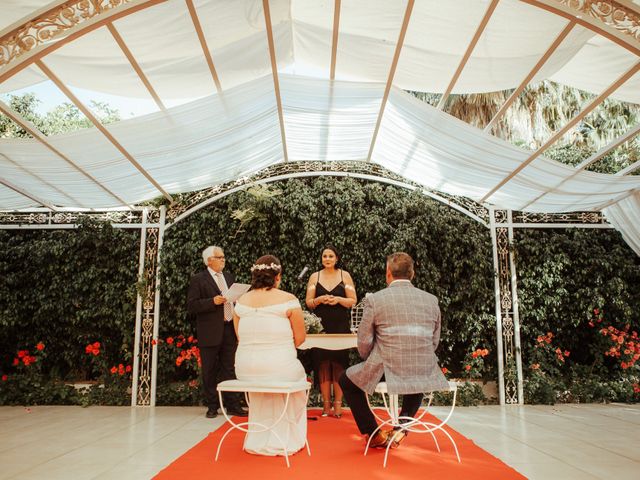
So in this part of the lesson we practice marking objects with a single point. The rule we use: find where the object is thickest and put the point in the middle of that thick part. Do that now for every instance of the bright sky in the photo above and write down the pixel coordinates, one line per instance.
(51, 97)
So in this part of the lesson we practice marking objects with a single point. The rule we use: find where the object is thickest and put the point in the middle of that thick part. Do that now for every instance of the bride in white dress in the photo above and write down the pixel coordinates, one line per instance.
(269, 325)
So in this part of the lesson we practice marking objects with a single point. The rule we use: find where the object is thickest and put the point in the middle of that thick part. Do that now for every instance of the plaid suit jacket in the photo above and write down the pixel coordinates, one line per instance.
(397, 337)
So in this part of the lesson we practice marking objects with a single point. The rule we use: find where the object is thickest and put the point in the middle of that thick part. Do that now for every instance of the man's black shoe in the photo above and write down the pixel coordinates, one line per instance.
(236, 412)
(211, 413)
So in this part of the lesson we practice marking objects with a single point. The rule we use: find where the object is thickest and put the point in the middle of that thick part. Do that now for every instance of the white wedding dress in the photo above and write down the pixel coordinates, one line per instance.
(266, 352)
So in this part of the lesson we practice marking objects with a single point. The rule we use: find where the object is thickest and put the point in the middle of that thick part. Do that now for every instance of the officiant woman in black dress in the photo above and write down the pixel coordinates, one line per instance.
(330, 295)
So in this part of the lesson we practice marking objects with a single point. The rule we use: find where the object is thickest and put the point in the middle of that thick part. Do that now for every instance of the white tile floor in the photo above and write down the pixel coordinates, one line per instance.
(121, 443)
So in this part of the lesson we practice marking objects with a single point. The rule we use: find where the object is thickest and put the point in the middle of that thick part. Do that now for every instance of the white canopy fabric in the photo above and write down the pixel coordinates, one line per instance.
(213, 138)
(625, 217)
(165, 45)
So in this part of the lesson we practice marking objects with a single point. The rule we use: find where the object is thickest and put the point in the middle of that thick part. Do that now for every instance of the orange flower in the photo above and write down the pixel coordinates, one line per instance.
(40, 346)
(535, 366)
(190, 339)
(154, 342)
(485, 352)
(474, 354)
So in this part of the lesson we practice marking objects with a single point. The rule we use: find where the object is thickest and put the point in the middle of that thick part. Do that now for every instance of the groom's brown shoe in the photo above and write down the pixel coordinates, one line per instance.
(379, 440)
(396, 437)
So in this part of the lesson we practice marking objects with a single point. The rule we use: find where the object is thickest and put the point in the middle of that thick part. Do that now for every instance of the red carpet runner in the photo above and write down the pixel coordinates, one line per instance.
(337, 453)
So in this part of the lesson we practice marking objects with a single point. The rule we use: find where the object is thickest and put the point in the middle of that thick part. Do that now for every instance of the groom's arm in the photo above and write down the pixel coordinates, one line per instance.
(366, 330)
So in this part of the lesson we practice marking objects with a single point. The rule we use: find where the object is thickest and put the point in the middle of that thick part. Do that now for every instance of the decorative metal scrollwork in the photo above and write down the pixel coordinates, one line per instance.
(571, 217)
(185, 202)
(506, 309)
(50, 25)
(130, 217)
(148, 284)
(611, 13)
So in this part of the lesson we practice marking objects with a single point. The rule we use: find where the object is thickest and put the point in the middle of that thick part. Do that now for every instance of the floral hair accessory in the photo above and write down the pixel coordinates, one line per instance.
(264, 266)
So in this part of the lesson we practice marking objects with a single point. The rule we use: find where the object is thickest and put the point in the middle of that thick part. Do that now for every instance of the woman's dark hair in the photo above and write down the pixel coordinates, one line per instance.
(264, 272)
(328, 246)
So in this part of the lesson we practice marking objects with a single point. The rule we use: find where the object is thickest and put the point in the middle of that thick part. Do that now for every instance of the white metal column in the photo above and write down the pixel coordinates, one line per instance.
(516, 315)
(496, 291)
(156, 310)
(138, 327)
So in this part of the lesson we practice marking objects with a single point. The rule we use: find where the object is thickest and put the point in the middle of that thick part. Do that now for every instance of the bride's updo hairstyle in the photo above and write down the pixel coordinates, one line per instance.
(264, 272)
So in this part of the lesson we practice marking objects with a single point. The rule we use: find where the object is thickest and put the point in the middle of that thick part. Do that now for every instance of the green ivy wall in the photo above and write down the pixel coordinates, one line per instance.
(69, 288)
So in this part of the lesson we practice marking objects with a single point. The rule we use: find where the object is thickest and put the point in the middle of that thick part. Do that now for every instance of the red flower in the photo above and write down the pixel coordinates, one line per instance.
(16, 361)
(154, 342)
(4, 378)
(179, 361)
(535, 366)
(96, 344)
(445, 370)
(566, 353)
(22, 353)
(193, 383)
(114, 370)
(169, 340)
(179, 344)
(190, 339)
(624, 365)
(591, 324)
(596, 311)
(40, 346)
(474, 354)
(127, 368)
(467, 367)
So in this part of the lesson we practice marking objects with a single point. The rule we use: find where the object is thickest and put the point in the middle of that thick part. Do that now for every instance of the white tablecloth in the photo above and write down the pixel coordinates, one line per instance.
(330, 341)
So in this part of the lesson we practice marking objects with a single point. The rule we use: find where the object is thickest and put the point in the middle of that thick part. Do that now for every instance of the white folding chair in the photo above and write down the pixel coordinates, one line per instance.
(409, 424)
(356, 316)
(247, 387)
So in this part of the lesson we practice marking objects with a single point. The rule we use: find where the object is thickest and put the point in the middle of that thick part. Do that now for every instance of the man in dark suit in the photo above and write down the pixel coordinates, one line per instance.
(397, 338)
(217, 339)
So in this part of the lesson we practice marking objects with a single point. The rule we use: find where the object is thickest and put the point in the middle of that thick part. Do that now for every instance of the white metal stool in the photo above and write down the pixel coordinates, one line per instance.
(409, 424)
(247, 387)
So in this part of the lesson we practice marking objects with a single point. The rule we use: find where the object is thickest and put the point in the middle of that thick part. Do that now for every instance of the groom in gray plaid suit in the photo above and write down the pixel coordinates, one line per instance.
(397, 338)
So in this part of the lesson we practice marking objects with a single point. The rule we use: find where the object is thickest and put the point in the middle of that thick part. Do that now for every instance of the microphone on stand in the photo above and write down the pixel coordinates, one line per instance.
(301, 275)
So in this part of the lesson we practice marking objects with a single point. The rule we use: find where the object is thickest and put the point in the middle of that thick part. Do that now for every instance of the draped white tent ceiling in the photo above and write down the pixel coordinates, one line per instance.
(337, 92)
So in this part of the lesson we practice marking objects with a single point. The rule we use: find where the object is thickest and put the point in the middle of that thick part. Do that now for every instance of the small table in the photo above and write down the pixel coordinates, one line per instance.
(330, 341)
